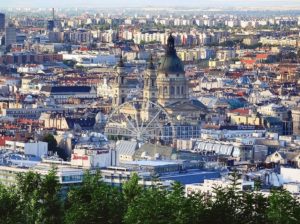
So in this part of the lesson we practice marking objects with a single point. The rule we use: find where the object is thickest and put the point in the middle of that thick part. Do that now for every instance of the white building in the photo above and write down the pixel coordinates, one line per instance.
(231, 132)
(274, 110)
(87, 58)
(91, 156)
(66, 175)
(209, 185)
(290, 175)
(38, 149)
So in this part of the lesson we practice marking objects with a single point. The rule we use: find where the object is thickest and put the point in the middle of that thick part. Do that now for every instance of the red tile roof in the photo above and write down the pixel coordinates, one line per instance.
(241, 111)
(248, 61)
(3, 139)
(261, 56)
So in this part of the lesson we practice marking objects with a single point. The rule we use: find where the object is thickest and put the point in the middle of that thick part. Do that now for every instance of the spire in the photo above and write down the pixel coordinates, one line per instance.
(171, 45)
(151, 64)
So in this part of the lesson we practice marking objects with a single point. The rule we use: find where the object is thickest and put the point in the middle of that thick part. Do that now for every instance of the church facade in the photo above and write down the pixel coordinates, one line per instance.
(167, 87)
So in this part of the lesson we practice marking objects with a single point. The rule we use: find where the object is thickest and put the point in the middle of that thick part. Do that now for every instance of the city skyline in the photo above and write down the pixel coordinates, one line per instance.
(144, 3)
(149, 111)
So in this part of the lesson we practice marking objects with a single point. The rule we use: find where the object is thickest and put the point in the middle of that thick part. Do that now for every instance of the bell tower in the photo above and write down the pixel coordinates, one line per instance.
(120, 84)
(150, 87)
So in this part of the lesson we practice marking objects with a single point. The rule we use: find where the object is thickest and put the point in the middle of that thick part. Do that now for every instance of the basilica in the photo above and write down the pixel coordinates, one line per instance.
(167, 86)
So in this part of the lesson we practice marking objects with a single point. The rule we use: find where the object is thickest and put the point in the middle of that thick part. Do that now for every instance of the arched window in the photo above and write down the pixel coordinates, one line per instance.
(122, 80)
(172, 90)
(165, 90)
(182, 90)
(178, 90)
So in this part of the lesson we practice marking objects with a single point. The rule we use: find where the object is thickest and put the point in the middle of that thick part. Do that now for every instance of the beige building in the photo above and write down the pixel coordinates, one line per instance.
(291, 158)
(167, 86)
(243, 116)
(296, 121)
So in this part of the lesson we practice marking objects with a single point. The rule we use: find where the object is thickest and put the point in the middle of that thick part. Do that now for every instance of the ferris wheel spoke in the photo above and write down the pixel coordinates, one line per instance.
(137, 122)
(142, 126)
(130, 123)
(149, 127)
(156, 115)
(119, 128)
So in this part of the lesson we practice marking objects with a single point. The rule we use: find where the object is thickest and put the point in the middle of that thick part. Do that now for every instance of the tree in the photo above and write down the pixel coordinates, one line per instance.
(94, 202)
(179, 205)
(27, 187)
(253, 207)
(131, 189)
(150, 208)
(39, 197)
(50, 210)
(283, 208)
(227, 203)
(52, 143)
(9, 209)
(257, 184)
(199, 208)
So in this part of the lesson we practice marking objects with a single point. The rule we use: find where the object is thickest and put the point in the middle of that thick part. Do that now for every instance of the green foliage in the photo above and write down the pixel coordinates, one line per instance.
(150, 208)
(9, 211)
(283, 208)
(131, 189)
(37, 199)
(52, 146)
(52, 143)
(94, 202)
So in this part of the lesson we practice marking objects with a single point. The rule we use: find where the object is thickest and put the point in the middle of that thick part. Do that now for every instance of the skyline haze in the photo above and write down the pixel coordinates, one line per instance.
(144, 3)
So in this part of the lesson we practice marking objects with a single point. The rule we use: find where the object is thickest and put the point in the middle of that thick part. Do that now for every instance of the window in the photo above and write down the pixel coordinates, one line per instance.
(172, 90)
(165, 90)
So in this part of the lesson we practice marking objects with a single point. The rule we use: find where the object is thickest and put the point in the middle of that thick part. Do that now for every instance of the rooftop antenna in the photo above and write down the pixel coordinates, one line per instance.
(53, 17)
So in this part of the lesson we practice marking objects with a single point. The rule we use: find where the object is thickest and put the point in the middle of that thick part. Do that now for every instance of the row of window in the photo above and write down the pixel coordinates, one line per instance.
(165, 90)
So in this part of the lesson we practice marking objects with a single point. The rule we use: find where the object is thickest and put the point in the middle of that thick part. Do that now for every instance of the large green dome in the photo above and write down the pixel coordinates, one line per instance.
(171, 63)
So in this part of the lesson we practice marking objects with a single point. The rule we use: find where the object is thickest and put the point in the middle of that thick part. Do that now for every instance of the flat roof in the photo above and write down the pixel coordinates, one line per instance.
(152, 162)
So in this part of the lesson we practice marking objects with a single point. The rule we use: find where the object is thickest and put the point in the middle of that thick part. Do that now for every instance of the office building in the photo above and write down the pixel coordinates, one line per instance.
(10, 35)
(2, 22)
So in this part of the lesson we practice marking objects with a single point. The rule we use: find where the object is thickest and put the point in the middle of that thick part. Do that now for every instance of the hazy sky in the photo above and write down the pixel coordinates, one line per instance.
(139, 3)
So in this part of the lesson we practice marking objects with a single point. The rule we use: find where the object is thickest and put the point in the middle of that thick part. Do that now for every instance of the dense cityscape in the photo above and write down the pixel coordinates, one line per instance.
(150, 115)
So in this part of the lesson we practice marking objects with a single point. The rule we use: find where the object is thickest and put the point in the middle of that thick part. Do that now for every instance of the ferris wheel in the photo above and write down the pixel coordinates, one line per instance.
(142, 120)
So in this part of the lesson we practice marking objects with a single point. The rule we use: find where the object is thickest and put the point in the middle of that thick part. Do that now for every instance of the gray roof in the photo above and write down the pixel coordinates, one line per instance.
(64, 89)
(126, 147)
(165, 152)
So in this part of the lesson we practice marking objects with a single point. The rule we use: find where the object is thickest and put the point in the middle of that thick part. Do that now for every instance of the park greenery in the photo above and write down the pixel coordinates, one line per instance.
(40, 199)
